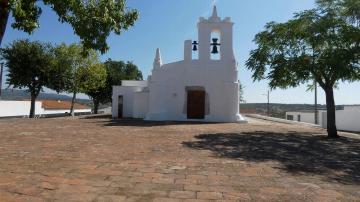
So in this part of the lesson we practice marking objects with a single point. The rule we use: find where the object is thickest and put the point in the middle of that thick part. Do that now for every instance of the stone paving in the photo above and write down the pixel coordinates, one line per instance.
(99, 159)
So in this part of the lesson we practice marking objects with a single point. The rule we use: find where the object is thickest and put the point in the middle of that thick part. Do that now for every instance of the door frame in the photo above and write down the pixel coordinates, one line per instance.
(191, 101)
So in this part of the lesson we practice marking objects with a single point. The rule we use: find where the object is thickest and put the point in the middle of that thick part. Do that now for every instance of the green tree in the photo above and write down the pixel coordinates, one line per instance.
(69, 60)
(320, 44)
(116, 72)
(60, 77)
(92, 20)
(350, 9)
(29, 65)
(91, 81)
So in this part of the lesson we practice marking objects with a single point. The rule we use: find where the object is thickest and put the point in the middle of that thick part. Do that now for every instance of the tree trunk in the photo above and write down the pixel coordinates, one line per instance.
(96, 106)
(72, 111)
(32, 105)
(331, 113)
(4, 16)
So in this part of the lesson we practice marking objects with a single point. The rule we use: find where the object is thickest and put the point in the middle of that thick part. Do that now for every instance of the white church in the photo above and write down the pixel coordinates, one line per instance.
(205, 88)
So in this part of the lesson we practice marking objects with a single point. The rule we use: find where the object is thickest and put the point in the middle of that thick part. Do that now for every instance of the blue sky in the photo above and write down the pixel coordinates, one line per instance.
(166, 24)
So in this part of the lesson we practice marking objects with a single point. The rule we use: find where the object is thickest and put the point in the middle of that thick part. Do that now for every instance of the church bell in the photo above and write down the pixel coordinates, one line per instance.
(214, 46)
(195, 44)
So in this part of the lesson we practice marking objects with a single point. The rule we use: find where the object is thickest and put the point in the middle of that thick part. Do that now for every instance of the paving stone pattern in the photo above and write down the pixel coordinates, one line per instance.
(99, 159)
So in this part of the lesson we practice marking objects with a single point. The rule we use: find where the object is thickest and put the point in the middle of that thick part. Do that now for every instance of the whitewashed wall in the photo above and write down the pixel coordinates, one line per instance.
(347, 119)
(22, 108)
(128, 93)
(141, 104)
(18, 108)
(62, 111)
(134, 83)
(307, 117)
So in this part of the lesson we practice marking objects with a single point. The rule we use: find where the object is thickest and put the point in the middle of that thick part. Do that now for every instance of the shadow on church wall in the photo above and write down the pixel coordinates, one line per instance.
(299, 153)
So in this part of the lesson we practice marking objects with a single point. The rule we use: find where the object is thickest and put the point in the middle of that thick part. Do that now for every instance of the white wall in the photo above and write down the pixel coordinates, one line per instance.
(18, 108)
(128, 93)
(347, 119)
(306, 117)
(134, 83)
(63, 111)
(141, 104)
(22, 108)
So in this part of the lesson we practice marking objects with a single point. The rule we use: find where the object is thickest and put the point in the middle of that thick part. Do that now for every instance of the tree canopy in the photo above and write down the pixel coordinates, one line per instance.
(92, 82)
(69, 61)
(320, 44)
(116, 71)
(30, 66)
(91, 20)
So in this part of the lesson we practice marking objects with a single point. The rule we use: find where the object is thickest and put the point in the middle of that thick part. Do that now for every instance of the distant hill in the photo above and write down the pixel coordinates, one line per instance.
(15, 94)
(279, 110)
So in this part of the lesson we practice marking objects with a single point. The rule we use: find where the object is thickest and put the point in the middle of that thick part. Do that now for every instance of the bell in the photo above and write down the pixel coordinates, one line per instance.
(214, 46)
(214, 50)
(195, 43)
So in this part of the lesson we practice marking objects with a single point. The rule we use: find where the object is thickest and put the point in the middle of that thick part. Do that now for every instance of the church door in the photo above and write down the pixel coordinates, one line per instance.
(196, 104)
(120, 106)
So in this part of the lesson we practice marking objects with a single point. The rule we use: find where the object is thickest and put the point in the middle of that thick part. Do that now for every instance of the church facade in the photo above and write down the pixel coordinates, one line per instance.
(205, 88)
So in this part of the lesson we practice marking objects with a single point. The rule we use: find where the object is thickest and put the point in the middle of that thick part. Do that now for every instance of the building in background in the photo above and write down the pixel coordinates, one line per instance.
(306, 116)
(203, 86)
(44, 108)
(347, 119)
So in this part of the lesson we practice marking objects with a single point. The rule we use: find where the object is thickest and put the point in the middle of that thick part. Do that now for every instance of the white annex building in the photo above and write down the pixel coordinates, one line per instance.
(205, 88)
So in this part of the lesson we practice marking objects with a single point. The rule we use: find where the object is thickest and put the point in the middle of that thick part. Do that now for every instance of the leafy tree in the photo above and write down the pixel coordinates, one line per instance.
(350, 9)
(116, 72)
(320, 44)
(29, 65)
(69, 60)
(91, 81)
(63, 66)
(92, 20)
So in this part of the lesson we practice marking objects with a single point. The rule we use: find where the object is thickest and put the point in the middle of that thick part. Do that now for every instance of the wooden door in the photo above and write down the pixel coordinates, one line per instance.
(196, 104)
(120, 106)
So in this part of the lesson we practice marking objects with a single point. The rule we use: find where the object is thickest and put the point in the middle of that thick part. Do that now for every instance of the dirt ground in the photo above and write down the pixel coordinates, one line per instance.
(99, 159)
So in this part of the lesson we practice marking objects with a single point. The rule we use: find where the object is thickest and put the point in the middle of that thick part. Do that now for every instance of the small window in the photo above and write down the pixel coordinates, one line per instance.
(290, 117)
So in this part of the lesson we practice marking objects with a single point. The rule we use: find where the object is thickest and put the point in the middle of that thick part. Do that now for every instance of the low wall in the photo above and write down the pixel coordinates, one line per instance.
(18, 108)
(279, 120)
(348, 120)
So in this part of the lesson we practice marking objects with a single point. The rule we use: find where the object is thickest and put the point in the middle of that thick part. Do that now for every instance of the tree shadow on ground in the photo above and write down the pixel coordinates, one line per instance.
(298, 153)
(143, 123)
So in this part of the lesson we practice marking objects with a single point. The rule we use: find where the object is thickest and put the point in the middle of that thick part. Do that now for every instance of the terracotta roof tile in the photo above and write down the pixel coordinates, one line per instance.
(54, 104)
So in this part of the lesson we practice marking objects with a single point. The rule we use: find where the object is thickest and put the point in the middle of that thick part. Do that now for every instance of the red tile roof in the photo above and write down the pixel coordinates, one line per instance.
(53, 104)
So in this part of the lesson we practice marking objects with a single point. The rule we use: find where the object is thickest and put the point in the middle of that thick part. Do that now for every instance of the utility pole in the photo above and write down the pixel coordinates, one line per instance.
(268, 103)
(1, 75)
(316, 109)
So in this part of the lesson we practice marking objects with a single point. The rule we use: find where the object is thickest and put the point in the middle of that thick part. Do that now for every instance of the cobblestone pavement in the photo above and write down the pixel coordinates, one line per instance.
(97, 159)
